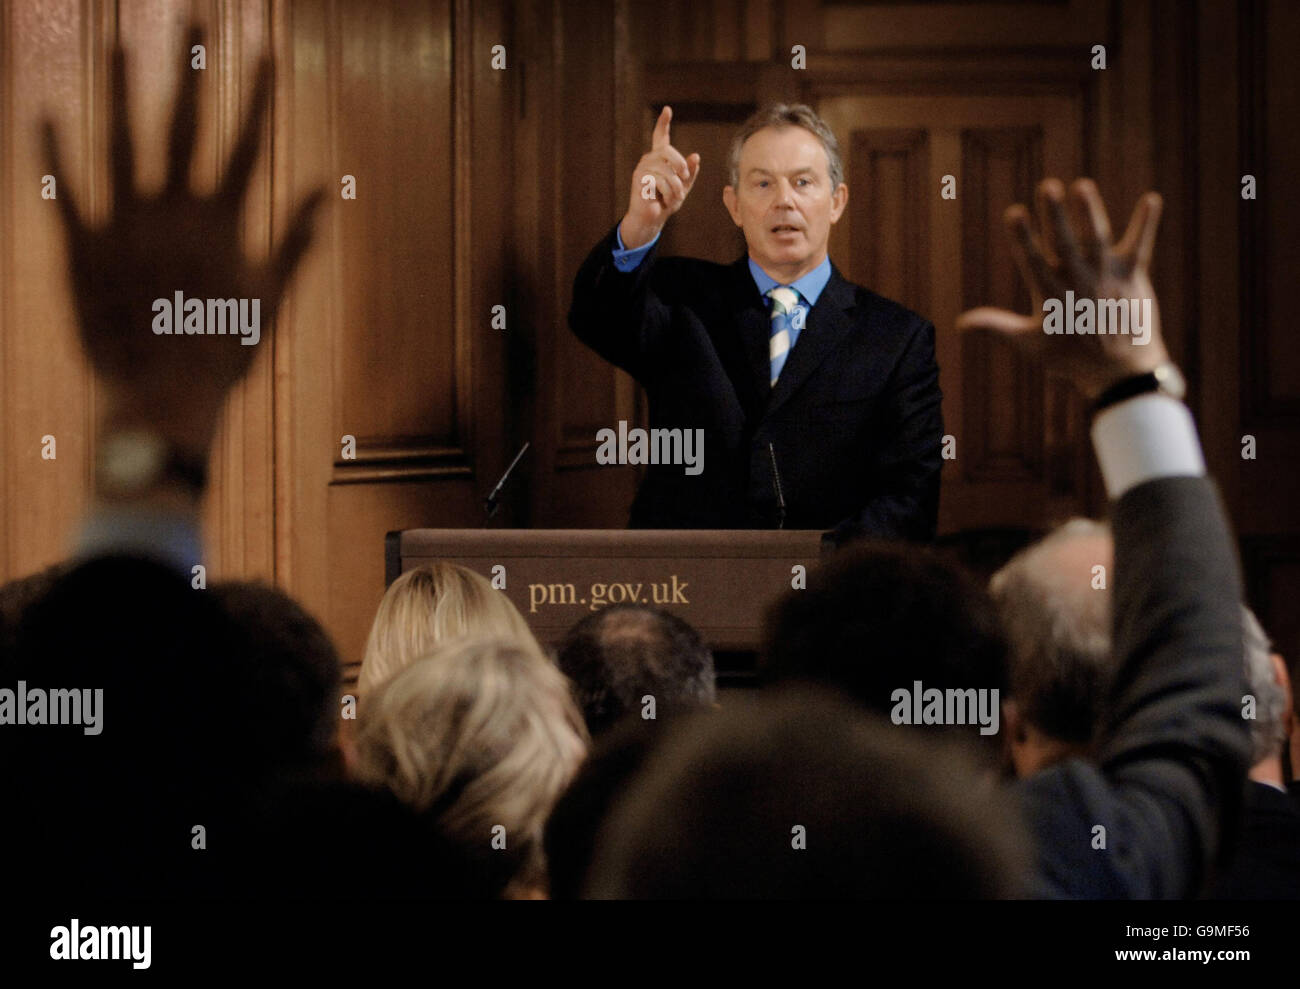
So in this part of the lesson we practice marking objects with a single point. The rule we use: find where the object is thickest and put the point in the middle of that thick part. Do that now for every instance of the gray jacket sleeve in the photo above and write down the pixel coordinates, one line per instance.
(1146, 818)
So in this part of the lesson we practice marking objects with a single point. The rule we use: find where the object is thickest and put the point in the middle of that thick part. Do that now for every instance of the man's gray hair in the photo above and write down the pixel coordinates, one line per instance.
(782, 115)
(1267, 732)
(1058, 628)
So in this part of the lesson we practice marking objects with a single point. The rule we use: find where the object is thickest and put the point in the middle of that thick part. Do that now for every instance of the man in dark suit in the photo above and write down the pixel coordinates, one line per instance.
(817, 400)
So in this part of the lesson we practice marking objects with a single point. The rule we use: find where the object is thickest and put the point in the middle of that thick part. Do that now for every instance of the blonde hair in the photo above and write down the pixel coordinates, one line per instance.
(430, 605)
(480, 733)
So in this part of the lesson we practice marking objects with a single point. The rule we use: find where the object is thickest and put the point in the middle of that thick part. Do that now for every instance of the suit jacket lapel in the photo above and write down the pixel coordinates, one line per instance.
(828, 324)
(749, 312)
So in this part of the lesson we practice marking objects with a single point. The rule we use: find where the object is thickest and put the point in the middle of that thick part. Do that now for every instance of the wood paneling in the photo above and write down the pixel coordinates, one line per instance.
(395, 377)
(687, 30)
(1245, 259)
(703, 228)
(1013, 465)
(239, 516)
(889, 185)
(868, 26)
(48, 63)
(391, 339)
(479, 187)
(579, 191)
(999, 167)
(1002, 386)
(1270, 247)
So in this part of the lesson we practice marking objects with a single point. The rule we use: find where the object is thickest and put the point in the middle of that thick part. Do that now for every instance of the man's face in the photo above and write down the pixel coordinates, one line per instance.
(784, 201)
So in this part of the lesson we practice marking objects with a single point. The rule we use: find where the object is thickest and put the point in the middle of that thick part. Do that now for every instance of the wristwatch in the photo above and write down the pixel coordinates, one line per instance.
(1165, 378)
(132, 461)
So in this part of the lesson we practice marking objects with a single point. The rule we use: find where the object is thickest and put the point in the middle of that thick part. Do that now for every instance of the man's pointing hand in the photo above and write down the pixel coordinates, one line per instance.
(660, 184)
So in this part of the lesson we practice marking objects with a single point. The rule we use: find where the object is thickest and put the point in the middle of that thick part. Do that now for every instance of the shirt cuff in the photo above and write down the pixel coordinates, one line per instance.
(1145, 438)
(173, 540)
(628, 259)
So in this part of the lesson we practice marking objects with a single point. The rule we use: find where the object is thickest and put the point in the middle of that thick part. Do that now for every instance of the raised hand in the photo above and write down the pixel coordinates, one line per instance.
(662, 180)
(1081, 258)
(151, 248)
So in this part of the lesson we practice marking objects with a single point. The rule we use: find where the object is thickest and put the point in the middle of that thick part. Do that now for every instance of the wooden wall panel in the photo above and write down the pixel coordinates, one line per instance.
(850, 25)
(889, 189)
(49, 58)
(388, 336)
(583, 195)
(395, 376)
(239, 514)
(1262, 398)
(1013, 465)
(999, 167)
(1172, 53)
(1271, 249)
(1217, 286)
(703, 228)
(690, 30)
(1003, 389)
(1245, 260)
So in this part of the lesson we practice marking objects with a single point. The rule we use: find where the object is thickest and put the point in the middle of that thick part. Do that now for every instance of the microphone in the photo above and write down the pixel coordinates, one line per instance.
(492, 501)
(776, 486)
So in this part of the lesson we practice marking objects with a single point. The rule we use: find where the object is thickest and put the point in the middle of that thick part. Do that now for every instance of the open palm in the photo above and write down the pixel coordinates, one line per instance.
(176, 241)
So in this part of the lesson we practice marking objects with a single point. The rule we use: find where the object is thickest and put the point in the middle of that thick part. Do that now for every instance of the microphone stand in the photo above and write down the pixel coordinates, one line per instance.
(776, 484)
(493, 501)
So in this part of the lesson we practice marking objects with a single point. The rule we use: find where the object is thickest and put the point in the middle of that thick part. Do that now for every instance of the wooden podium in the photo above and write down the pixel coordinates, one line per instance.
(721, 581)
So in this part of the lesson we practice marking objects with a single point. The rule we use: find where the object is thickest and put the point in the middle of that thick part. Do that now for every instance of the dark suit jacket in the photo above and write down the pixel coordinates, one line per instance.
(1167, 781)
(854, 420)
(1266, 863)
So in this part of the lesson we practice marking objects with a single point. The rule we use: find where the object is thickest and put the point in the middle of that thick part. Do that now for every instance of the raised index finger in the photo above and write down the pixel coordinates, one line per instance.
(660, 139)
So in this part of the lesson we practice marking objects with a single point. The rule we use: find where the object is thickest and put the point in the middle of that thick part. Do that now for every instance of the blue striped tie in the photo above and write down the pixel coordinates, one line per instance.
(784, 330)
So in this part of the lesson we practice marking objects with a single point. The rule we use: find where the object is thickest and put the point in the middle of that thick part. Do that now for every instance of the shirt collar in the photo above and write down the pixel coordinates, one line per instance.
(809, 286)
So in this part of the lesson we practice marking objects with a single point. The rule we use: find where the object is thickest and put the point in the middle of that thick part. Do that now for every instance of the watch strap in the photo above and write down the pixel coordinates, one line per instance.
(1126, 388)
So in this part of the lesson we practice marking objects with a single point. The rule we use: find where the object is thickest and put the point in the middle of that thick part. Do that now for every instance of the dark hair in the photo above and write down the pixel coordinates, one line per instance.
(877, 617)
(17, 595)
(188, 687)
(799, 793)
(294, 667)
(570, 836)
(171, 754)
(626, 651)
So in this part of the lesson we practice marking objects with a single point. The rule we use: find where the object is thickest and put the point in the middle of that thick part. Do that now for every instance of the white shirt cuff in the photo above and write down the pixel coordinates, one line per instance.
(1144, 438)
